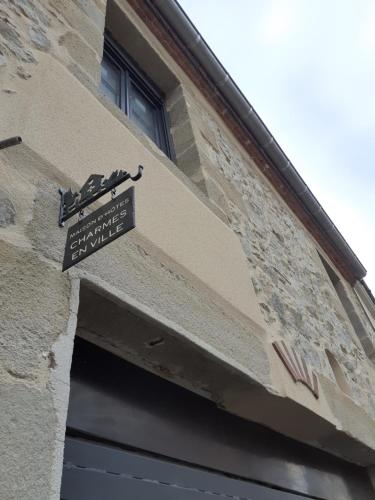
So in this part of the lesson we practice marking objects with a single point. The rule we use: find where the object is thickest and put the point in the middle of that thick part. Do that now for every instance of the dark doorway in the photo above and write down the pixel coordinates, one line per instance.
(132, 435)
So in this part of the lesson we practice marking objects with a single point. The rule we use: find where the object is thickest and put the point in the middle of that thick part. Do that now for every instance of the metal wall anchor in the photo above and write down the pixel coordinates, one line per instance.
(12, 141)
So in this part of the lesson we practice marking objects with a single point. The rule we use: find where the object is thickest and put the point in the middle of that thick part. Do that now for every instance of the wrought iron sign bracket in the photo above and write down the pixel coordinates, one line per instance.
(12, 141)
(95, 187)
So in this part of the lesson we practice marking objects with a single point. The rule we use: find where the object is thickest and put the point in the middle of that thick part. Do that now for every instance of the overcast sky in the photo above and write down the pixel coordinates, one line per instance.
(308, 68)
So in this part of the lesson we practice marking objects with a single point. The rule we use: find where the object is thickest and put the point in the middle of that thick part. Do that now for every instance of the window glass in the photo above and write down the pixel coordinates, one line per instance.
(142, 112)
(110, 82)
(127, 87)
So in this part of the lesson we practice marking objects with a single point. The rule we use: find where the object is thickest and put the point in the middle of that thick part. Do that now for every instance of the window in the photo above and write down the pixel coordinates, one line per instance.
(126, 86)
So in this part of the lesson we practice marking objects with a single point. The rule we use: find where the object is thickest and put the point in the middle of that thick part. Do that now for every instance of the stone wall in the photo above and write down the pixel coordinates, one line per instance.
(71, 30)
(37, 313)
(295, 294)
(296, 298)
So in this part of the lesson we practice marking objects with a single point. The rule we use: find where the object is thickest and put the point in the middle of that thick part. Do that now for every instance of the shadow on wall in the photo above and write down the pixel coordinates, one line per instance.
(338, 373)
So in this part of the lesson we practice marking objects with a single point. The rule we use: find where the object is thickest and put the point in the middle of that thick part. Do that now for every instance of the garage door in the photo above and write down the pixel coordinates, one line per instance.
(132, 435)
(94, 471)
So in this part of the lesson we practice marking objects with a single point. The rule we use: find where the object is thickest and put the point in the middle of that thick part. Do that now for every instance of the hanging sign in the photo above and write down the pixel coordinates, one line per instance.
(104, 225)
(99, 228)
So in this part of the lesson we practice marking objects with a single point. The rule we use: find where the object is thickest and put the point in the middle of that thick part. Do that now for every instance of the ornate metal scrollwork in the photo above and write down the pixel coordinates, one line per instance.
(95, 187)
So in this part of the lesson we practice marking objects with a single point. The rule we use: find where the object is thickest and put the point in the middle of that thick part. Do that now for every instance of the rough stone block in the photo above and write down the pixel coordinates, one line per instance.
(7, 210)
(189, 162)
(79, 22)
(177, 108)
(82, 54)
(94, 11)
(27, 441)
(37, 299)
(33, 10)
(11, 42)
(183, 136)
(39, 39)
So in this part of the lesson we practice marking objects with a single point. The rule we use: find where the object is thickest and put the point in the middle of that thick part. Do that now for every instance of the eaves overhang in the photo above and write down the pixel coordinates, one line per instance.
(203, 61)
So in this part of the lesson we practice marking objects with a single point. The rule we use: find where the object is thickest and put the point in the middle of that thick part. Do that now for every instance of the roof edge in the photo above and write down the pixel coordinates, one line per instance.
(177, 19)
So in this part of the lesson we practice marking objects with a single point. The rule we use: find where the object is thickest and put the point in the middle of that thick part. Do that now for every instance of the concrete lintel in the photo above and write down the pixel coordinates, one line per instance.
(167, 350)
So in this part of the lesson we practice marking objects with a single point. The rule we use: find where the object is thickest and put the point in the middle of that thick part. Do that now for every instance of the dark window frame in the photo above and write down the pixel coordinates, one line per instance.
(131, 74)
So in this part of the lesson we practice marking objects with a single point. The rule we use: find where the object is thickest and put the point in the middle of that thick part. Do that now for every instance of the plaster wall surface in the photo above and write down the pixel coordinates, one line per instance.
(169, 215)
(242, 271)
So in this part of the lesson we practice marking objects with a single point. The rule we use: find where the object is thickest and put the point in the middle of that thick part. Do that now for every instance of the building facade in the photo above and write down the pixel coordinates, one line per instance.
(225, 346)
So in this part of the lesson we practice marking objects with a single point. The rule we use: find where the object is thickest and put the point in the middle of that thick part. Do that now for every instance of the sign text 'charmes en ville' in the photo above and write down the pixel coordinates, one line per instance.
(102, 226)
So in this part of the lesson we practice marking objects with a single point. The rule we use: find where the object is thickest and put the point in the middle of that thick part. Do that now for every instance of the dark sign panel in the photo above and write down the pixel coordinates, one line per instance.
(100, 228)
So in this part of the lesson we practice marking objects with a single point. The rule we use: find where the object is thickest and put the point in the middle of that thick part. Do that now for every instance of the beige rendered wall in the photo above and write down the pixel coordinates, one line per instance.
(216, 252)
(169, 216)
